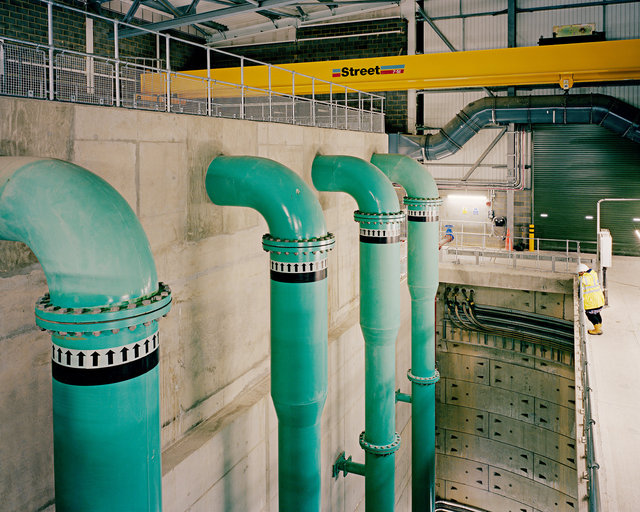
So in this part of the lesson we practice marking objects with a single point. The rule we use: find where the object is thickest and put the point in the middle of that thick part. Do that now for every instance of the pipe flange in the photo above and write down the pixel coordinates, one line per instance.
(424, 381)
(378, 218)
(422, 209)
(305, 246)
(113, 317)
(383, 450)
(422, 201)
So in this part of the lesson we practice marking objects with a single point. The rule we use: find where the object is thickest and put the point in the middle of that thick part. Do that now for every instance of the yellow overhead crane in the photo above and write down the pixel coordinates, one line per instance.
(562, 64)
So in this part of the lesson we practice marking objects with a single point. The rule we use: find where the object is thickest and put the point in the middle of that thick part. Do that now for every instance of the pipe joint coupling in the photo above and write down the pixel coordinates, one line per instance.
(424, 381)
(383, 450)
(423, 209)
(127, 314)
(298, 261)
(379, 228)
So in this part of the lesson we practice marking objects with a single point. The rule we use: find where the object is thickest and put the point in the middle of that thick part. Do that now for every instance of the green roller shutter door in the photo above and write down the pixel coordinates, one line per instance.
(573, 168)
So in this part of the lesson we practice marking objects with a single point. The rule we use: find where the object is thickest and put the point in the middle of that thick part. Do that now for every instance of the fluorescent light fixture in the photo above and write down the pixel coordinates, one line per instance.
(461, 196)
(589, 217)
(544, 215)
(637, 232)
(636, 219)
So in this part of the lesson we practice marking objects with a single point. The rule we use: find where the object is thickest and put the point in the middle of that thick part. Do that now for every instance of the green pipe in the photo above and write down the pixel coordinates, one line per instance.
(380, 219)
(422, 276)
(101, 310)
(298, 244)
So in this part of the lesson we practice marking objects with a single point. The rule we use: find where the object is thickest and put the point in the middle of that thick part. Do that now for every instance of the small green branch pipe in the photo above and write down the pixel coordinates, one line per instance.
(380, 219)
(422, 276)
(298, 244)
(101, 310)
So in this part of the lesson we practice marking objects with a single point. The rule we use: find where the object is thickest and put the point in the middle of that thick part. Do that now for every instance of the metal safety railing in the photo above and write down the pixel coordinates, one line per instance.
(479, 244)
(593, 491)
(58, 71)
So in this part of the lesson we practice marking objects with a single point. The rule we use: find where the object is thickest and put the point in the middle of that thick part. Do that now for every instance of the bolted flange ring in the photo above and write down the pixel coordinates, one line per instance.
(424, 381)
(386, 449)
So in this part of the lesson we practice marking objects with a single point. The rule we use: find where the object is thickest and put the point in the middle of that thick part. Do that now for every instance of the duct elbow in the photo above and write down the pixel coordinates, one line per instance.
(367, 184)
(287, 203)
(87, 238)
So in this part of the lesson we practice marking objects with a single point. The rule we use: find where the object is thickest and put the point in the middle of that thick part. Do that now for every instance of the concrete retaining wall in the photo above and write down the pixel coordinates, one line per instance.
(218, 423)
(506, 411)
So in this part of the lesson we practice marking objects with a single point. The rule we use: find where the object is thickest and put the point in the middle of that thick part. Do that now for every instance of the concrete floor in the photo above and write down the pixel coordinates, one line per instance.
(614, 361)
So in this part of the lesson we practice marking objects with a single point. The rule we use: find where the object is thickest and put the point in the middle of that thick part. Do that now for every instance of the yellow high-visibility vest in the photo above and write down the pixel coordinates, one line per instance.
(591, 291)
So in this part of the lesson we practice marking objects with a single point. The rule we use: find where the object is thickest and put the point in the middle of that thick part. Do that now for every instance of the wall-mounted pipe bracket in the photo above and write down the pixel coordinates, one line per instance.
(346, 466)
(386, 449)
(403, 397)
(424, 381)
(127, 314)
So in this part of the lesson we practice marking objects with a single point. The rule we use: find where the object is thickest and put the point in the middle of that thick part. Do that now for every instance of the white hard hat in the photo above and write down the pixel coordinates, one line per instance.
(581, 268)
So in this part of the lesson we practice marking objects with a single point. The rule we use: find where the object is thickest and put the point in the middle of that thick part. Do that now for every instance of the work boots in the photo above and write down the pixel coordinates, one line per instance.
(597, 329)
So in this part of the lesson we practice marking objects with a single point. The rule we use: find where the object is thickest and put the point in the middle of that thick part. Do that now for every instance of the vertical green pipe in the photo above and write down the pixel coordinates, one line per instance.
(298, 245)
(422, 277)
(380, 219)
(102, 310)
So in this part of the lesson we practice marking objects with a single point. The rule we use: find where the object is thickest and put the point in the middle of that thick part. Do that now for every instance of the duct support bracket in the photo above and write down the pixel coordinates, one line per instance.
(383, 450)
(424, 381)
(95, 320)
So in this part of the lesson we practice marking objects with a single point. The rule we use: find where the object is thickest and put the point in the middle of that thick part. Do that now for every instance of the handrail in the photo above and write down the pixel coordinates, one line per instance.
(593, 491)
(339, 110)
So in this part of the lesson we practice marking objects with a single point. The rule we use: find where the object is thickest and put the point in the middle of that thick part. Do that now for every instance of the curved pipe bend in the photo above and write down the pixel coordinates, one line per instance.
(287, 203)
(88, 240)
(415, 179)
(367, 184)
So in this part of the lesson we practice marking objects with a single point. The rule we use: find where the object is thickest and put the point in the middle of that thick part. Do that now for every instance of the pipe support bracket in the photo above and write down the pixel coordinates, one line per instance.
(424, 381)
(376, 449)
(126, 314)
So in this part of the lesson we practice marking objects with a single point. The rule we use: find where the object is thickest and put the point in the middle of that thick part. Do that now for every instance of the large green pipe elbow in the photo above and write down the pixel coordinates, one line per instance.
(364, 182)
(91, 256)
(298, 245)
(379, 218)
(285, 201)
(422, 277)
(407, 172)
(102, 312)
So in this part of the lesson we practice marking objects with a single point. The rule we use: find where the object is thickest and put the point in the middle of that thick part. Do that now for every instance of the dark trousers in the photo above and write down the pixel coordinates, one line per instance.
(594, 315)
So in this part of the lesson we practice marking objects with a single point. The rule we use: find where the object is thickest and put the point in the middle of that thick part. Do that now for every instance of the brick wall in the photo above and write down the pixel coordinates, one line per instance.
(333, 42)
(27, 20)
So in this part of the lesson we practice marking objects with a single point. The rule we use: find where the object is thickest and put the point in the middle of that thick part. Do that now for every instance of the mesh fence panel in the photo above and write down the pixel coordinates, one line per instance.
(83, 79)
(142, 88)
(23, 71)
(91, 79)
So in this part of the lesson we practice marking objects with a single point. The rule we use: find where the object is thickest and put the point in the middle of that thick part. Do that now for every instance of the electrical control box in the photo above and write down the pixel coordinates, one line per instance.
(606, 247)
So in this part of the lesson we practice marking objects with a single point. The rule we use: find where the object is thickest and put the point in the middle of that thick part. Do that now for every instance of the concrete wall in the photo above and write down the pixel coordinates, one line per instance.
(505, 414)
(218, 423)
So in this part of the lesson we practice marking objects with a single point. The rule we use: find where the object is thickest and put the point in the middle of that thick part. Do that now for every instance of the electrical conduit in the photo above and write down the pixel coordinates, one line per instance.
(422, 276)
(298, 245)
(380, 219)
(101, 310)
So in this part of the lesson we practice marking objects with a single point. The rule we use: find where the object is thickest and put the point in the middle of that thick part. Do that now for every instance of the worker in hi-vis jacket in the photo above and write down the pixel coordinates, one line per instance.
(592, 296)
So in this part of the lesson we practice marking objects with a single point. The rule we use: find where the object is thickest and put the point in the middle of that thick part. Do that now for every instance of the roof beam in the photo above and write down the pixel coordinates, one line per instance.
(206, 16)
(341, 10)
